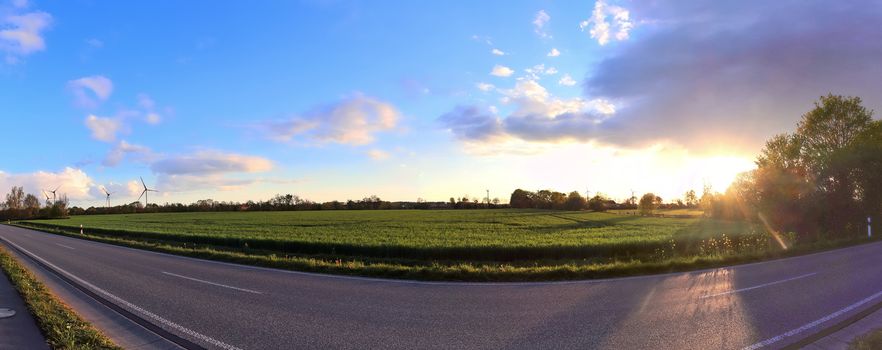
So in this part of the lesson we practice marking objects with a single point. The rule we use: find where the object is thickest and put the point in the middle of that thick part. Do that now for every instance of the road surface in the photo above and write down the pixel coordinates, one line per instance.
(226, 306)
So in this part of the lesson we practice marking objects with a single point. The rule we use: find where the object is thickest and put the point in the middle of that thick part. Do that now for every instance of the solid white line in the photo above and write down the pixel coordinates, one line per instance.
(758, 286)
(66, 246)
(813, 324)
(212, 283)
(131, 306)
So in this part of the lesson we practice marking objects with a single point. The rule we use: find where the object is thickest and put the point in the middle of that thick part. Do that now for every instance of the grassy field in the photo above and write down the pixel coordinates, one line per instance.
(440, 244)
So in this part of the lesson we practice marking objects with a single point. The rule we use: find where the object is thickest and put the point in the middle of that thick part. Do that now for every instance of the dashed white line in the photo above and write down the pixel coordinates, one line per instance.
(66, 246)
(757, 286)
(812, 324)
(212, 283)
(131, 306)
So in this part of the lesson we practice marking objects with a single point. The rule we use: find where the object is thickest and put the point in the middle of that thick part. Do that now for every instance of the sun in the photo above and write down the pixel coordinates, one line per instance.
(721, 171)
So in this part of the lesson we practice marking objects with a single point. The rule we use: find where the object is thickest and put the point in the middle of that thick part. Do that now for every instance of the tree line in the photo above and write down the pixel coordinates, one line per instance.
(646, 204)
(821, 181)
(19, 205)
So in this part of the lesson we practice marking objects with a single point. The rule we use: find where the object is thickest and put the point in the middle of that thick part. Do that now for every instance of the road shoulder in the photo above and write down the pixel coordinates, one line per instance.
(19, 331)
(843, 337)
(122, 331)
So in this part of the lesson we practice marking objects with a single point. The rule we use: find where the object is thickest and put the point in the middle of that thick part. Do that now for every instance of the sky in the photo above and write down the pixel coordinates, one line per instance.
(337, 100)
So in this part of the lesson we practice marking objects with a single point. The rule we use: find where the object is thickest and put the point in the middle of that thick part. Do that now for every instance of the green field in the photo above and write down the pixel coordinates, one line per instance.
(515, 244)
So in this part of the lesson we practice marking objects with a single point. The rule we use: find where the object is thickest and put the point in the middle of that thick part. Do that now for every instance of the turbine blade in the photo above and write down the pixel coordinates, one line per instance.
(142, 195)
(142, 182)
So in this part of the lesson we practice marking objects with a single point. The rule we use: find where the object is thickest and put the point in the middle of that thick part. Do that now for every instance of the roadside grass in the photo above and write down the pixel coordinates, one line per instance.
(61, 326)
(869, 341)
(594, 245)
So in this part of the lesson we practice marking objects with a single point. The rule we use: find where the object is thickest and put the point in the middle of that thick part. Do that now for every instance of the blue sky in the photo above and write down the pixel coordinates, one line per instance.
(341, 100)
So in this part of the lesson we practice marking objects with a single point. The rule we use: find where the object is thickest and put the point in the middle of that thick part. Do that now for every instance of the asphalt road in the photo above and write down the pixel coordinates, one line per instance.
(219, 305)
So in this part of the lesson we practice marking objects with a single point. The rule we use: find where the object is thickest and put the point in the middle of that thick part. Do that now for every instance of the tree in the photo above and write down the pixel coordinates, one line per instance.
(691, 199)
(15, 198)
(648, 203)
(31, 202)
(521, 199)
(557, 200)
(867, 160)
(826, 135)
(598, 202)
(575, 201)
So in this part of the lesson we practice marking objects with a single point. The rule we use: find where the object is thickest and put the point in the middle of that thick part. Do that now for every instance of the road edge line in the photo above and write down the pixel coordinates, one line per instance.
(159, 331)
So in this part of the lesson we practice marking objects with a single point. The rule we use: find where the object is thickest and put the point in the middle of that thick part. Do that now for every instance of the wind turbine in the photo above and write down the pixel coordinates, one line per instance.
(108, 195)
(144, 193)
(53, 194)
(46, 195)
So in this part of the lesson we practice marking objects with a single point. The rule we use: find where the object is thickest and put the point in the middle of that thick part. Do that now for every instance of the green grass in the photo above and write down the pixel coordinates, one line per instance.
(480, 235)
(869, 341)
(440, 244)
(62, 328)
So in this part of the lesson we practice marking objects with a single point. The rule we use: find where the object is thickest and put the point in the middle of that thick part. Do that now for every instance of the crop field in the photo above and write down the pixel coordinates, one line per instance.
(476, 245)
(514, 236)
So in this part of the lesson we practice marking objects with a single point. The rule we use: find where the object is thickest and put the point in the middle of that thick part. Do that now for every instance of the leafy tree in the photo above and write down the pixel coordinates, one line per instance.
(598, 202)
(31, 202)
(557, 200)
(648, 203)
(691, 199)
(15, 198)
(575, 201)
(521, 199)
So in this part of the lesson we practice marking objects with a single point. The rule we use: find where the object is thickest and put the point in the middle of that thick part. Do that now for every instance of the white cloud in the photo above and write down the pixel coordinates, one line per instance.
(90, 91)
(566, 80)
(484, 86)
(149, 106)
(497, 52)
(144, 101)
(22, 33)
(206, 170)
(153, 118)
(74, 183)
(211, 162)
(501, 71)
(537, 117)
(135, 187)
(539, 23)
(124, 149)
(535, 72)
(352, 121)
(103, 129)
(378, 154)
(553, 53)
(619, 28)
(95, 43)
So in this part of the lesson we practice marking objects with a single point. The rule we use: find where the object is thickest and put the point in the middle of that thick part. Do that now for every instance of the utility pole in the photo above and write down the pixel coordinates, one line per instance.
(869, 227)
(488, 198)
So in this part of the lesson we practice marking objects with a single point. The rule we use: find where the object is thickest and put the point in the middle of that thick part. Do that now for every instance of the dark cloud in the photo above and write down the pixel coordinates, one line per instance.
(470, 123)
(705, 75)
(735, 73)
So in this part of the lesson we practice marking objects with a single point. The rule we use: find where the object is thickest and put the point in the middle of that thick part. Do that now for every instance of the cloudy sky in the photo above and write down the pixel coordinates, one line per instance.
(236, 100)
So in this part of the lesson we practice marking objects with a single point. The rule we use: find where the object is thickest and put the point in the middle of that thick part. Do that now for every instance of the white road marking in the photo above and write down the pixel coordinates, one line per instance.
(66, 246)
(758, 286)
(212, 283)
(812, 324)
(131, 306)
